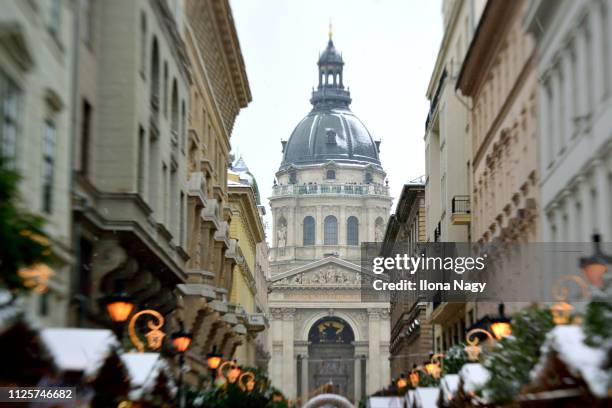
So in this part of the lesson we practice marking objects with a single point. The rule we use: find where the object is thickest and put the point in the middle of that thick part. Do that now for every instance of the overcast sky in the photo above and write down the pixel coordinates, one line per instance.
(389, 49)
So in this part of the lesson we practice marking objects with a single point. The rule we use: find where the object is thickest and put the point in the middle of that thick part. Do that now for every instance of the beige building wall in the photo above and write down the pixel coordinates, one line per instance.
(448, 154)
(36, 67)
(503, 127)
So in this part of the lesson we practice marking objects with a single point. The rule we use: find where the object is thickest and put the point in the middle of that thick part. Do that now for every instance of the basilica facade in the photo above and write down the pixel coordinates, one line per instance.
(330, 195)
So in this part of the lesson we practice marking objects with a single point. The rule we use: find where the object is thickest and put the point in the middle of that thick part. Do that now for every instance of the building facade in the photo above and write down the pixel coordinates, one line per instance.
(130, 162)
(36, 67)
(219, 89)
(411, 329)
(575, 129)
(448, 166)
(329, 196)
(499, 77)
(248, 231)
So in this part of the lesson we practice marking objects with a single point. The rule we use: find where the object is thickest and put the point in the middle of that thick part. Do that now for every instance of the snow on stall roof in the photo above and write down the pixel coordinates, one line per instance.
(474, 376)
(385, 402)
(78, 349)
(449, 385)
(409, 397)
(583, 361)
(10, 312)
(143, 369)
(426, 397)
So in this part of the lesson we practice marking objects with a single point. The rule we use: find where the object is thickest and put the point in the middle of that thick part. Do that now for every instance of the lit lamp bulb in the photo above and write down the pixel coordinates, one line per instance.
(401, 381)
(414, 378)
(119, 307)
(181, 339)
(233, 373)
(501, 330)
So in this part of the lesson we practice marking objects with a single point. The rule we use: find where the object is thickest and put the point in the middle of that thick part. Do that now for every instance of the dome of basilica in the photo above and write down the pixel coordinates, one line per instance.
(330, 131)
(330, 134)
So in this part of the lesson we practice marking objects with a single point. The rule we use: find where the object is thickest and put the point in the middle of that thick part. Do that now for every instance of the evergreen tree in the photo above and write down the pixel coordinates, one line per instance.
(513, 357)
(23, 242)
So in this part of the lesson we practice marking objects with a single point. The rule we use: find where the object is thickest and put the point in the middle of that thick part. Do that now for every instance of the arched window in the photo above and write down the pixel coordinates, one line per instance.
(174, 120)
(352, 231)
(330, 236)
(309, 231)
(155, 75)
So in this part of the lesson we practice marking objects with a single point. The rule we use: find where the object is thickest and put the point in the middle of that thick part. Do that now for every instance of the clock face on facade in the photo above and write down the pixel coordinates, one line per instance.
(330, 330)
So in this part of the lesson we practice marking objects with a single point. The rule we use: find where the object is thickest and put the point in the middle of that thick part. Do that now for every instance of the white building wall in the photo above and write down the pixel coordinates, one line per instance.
(575, 133)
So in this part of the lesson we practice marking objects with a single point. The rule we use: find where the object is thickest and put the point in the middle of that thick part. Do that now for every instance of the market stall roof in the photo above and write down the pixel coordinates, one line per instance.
(449, 384)
(143, 369)
(81, 350)
(385, 402)
(426, 397)
(582, 361)
(10, 312)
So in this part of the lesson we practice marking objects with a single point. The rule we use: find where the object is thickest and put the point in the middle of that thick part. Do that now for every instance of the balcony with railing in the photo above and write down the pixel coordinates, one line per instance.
(460, 210)
(331, 189)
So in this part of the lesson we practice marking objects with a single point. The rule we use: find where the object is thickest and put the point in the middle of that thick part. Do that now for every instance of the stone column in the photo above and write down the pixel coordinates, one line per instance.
(582, 77)
(572, 225)
(373, 375)
(304, 377)
(385, 335)
(342, 226)
(567, 95)
(584, 188)
(276, 347)
(289, 382)
(319, 227)
(357, 376)
(598, 44)
(604, 195)
(546, 155)
(557, 114)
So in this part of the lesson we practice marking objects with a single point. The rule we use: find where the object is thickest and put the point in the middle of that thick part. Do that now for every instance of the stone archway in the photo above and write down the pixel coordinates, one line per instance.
(331, 353)
(328, 400)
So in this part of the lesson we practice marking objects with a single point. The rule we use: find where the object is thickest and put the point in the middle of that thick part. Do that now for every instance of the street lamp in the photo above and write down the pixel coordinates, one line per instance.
(501, 325)
(119, 306)
(433, 366)
(414, 377)
(213, 360)
(181, 340)
(596, 265)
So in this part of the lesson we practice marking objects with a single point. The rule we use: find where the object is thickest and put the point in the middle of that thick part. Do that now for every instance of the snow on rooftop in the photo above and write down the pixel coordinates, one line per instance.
(78, 349)
(582, 361)
(426, 397)
(143, 369)
(474, 376)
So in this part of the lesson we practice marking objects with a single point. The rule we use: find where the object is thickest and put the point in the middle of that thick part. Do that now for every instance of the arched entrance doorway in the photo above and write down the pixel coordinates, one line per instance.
(331, 354)
(328, 400)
